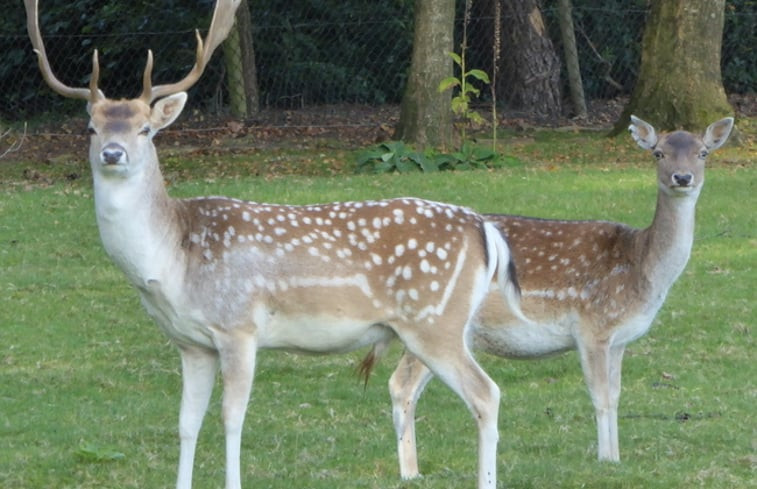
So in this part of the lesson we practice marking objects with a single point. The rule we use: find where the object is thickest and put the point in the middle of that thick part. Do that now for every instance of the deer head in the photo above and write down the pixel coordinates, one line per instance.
(680, 156)
(122, 130)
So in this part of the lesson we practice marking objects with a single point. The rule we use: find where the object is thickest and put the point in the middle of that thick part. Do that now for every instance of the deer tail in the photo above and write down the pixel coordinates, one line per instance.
(507, 277)
(373, 356)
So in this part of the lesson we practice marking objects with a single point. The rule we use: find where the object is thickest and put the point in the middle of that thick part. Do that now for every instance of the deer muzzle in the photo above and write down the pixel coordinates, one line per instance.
(113, 154)
(682, 179)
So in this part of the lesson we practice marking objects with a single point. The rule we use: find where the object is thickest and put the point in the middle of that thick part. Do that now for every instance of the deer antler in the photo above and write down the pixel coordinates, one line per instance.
(32, 26)
(220, 25)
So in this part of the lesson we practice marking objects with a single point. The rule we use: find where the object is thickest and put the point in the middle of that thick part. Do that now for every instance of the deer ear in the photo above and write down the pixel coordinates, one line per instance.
(717, 134)
(166, 110)
(643, 133)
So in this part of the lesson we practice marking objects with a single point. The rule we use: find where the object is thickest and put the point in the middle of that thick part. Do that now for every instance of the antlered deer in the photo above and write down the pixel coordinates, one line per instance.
(593, 286)
(224, 277)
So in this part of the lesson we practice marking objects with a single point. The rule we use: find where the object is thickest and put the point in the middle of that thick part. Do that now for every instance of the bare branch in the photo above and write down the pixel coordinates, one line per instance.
(607, 64)
(14, 145)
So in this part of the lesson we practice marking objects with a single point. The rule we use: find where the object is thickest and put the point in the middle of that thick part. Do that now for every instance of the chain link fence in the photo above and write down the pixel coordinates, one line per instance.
(311, 53)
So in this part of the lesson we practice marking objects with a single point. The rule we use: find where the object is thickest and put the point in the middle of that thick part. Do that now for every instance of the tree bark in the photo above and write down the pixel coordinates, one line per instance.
(571, 58)
(425, 113)
(531, 68)
(241, 74)
(680, 83)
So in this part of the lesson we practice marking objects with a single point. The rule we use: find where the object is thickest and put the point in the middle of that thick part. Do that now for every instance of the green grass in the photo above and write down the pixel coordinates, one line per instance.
(89, 387)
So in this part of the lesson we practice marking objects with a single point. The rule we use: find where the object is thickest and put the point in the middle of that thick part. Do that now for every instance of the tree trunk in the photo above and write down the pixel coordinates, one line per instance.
(531, 68)
(241, 73)
(425, 114)
(571, 58)
(679, 83)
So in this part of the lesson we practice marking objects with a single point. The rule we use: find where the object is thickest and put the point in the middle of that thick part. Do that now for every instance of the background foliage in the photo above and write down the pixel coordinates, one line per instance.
(311, 51)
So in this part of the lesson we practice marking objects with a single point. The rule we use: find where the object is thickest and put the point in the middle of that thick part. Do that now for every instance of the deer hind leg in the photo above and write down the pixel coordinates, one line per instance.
(405, 387)
(237, 354)
(595, 362)
(199, 369)
(453, 363)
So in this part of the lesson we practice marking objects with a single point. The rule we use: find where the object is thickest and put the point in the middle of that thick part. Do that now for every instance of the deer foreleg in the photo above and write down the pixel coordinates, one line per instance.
(199, 369)
(405, 387)
(595, 362)
(237, 368)
(616, 364)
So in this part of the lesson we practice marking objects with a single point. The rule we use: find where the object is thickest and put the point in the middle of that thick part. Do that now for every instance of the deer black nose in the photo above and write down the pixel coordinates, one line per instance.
(684, 180)
(112, 154)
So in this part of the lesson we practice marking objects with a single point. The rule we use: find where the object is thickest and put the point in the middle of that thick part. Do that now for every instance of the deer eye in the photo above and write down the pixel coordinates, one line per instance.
(91, 131)
(703, 154)
(144, 131)
(658, 154)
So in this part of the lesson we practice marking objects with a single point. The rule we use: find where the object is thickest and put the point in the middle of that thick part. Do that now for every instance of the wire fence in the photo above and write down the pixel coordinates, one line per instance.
(312, 53)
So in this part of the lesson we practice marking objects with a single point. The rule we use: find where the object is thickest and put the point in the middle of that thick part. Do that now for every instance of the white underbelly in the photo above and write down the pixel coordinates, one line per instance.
(519, 340)
(633, 327)
(318, 333)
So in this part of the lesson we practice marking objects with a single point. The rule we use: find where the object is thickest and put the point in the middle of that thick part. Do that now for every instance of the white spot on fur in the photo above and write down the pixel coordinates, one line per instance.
(441, 253)
(407, 273)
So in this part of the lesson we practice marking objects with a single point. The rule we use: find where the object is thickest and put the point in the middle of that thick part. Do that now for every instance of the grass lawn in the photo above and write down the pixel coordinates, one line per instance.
(89, 387)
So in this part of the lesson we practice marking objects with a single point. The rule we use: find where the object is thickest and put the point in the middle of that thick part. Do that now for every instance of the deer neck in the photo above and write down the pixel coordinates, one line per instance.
(138, 223)
(665, 246)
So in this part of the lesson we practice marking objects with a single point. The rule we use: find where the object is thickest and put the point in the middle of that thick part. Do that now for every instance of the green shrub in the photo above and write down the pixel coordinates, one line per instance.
(396, 156)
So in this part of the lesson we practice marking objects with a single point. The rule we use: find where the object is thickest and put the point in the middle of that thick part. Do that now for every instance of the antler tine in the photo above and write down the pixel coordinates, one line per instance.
(147, 80)
(32, 26)
(95, 77)
(220, 26)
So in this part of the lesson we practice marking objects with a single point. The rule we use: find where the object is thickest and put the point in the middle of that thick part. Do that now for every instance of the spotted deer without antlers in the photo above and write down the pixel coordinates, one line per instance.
(591, 286)
(224, 277)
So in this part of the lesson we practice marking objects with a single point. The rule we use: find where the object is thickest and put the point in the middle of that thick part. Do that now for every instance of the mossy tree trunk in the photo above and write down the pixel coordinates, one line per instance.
(679, 83)
(425, 114)
(241, 74)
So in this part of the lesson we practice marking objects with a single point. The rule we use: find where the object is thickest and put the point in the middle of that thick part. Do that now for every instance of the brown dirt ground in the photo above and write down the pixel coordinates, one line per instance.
(350, 125)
